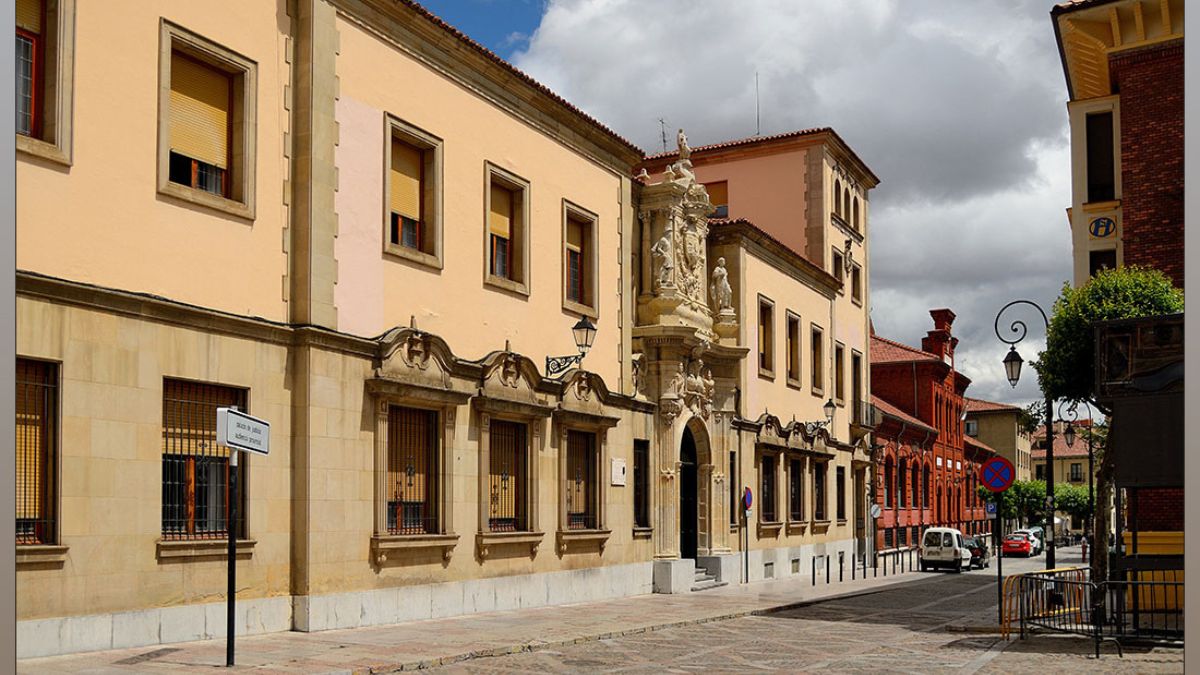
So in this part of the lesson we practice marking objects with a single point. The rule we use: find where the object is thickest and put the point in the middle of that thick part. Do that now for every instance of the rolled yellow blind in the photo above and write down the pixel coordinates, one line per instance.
(199, 111)
(575, 232)
(500, 218)
(718, 193)
(29, 15)
(406, 180)
(30, 455)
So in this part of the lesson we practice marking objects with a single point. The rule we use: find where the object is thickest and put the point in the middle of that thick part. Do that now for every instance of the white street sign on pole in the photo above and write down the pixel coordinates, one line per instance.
(240, 431)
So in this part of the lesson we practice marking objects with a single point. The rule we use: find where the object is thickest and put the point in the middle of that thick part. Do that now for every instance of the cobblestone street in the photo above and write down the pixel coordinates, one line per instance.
(899, 630)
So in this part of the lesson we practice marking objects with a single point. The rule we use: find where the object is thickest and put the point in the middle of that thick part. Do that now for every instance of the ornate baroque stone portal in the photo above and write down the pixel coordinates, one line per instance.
(686, 336)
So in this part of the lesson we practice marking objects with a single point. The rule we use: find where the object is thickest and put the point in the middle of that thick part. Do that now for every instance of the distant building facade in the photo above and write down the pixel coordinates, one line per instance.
(998, 426)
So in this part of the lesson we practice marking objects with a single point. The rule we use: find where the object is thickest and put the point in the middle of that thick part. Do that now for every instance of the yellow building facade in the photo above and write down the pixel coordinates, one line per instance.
(346, 218)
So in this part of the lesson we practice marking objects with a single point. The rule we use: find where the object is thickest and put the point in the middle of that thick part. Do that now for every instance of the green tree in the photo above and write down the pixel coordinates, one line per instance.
(1066, 369)
(1071, 500)
(1023, 501)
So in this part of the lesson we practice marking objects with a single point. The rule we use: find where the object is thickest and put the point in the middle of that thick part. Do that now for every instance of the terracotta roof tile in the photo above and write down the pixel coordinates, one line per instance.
(980, 405)
(1061, 450)
(884, 350)
(971, 440)
(889, 409)
(749, 140)
(462, 37)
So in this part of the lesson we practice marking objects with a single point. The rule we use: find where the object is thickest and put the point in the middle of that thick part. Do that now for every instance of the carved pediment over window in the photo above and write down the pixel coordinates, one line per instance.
(412, 355)
(770, 430)
(584, 392)
(510, 376)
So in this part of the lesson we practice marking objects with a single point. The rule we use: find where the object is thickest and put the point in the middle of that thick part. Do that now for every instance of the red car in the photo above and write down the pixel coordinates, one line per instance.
(1017, 543)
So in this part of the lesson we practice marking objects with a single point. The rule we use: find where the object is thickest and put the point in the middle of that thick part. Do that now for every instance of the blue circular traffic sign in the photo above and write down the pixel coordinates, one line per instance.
(747, 499)
(997, 474)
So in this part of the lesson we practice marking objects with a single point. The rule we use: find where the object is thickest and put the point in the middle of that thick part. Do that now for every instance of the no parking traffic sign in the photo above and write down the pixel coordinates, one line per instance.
(997, 474)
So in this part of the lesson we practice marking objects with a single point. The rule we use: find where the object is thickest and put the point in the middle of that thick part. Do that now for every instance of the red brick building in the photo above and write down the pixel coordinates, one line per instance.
(925, 474)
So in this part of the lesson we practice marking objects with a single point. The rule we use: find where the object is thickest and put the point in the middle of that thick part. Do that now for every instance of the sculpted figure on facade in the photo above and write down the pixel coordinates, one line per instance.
(664, 259)
(721, 292)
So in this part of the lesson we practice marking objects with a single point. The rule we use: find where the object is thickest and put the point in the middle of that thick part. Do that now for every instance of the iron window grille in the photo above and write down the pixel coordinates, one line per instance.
(734, 493)
(819, 491)
(796, 487)
(36, 451)
(888, 538)
(406, 231)
(506, 477)
(903, 532)
(841, 493)
(581, 480)
(575, 276)
(28, 78)
(641, 483)
(768, 489)
(413, 471)
(195, 470)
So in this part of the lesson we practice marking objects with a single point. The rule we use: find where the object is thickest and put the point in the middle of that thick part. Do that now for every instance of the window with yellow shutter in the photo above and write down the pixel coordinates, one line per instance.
(412, 227)
(500, 224)
(506, 228)
(766, 337)
(405, 200)
(579, 259)
(412, 471)
(201, 98)
(36, 451)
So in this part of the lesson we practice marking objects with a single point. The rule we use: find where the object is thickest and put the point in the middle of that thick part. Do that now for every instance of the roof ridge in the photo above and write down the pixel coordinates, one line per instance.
(463, 37)
(904, 346)
(745, 140)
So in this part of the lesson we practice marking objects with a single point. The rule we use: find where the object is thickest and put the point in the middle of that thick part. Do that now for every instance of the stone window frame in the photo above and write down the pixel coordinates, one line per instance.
(37, 555)
(824, 484)
(766, 340)
(566, 422)
(839, 374)
(396, 128)
(591, 260)
(837, 264)
(840, 495)
(58, 87)
(856, 288)
(817, 367)
(794, 351)
(489, 409)
(768, 528)
(521, 253)
(244, 143)
(798, 525)
(385, 545)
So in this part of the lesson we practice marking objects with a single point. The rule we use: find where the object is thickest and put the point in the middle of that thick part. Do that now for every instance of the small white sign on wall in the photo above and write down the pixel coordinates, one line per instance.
(939, 460)
(957, 465)
(618, 471)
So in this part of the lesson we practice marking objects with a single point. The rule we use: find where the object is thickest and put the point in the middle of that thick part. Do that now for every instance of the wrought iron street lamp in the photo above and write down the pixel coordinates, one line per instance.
(811, 428)
(1012, 370)
(585, 333)
(1069, 436)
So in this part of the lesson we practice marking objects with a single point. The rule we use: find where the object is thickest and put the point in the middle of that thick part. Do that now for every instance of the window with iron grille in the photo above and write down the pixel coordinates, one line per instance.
(841, 493)
(36, 451)
(888, 538)
(506, 477)
(28, 80)
(915, 535)
(641, 483)
(925, 487)
(819, 490)
(796, 489)
(768, 489)
(581, 480)
(902, 488)
(412, 479)
(195, 470)
(903, 532)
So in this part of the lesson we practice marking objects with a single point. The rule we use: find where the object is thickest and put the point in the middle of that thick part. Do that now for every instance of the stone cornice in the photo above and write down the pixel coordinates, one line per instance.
(764, 246)
(418, 33)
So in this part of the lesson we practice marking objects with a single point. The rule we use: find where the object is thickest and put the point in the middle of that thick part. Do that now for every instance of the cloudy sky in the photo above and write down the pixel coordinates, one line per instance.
(958, 107)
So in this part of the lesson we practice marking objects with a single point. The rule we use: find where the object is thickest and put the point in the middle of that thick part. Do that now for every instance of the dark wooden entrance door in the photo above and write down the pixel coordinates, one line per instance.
(688, 515)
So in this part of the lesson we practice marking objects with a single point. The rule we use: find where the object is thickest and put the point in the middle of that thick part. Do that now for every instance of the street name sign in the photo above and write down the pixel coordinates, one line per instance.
(240, 431)
(997, 474)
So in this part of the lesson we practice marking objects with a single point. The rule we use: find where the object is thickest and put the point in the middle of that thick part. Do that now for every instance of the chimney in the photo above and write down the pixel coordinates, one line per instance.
(938, 341)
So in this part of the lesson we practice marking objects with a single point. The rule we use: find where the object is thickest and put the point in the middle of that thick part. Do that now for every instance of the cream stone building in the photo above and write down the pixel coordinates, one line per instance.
(346, 218)
(998, 425)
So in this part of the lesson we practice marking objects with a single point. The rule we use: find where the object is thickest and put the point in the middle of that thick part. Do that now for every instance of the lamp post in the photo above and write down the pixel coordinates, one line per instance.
(1012, 370)
(1069, 437)
(585, 333)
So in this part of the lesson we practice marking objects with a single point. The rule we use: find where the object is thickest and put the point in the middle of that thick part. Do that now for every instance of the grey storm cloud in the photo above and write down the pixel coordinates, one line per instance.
(959, 107)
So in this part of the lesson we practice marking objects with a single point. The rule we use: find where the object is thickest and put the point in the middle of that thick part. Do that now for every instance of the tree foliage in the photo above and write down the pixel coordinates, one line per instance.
(1071, 500)
(1024, 501)
(1066, 369)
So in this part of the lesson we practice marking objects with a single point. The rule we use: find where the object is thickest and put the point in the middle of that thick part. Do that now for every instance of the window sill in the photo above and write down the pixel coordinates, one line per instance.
(769, 529)
(856, 301)
(207, 548)
(207, 200)
(797, 526)
(506, 284)
(384, 546)
(585, 537)
(643, 532)
(42, 149)
(795, 384)
(485, 540)
(413, 255)
(41, 554)
(820, 526)
(842, 522)
(819, 393)
(1107, 205)
(581, 309)
(766, 374)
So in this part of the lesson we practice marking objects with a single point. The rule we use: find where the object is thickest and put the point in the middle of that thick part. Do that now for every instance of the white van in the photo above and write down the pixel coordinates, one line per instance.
(943, 547)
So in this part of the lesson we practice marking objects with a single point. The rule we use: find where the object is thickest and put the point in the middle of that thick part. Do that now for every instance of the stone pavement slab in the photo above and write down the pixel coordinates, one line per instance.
(424, 644)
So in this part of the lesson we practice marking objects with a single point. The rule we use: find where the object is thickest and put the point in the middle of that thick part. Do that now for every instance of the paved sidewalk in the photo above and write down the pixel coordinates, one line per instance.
(423, 644)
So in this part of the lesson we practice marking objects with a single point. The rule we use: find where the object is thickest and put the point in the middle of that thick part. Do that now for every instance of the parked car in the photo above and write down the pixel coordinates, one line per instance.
(944, 547)
(1037, 536)
(1017, 543)
(981, 557)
